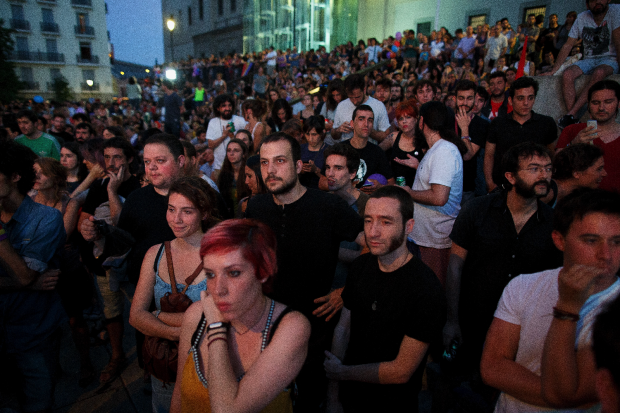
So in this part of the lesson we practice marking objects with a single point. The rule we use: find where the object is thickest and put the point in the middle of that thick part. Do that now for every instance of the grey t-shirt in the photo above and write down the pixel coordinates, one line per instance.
(260, 84)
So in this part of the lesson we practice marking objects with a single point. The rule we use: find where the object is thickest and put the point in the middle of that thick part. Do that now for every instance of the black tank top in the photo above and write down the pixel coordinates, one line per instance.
(402, 170)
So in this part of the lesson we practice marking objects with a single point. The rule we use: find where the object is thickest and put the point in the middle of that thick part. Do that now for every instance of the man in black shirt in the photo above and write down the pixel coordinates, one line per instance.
(309, 225)
(494, 239)
(394, 308)
(521, 125)
(473, 132)
(372, 157)
(174, 107)
(112, 190)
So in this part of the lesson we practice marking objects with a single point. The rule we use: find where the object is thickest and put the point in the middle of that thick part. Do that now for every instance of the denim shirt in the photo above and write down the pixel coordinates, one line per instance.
(28, 317)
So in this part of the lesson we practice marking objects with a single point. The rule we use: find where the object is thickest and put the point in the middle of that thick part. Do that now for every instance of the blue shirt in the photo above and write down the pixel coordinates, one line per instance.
(28, 317)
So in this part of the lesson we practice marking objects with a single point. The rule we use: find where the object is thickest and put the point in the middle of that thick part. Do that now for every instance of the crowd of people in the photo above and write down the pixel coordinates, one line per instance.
(320, 236)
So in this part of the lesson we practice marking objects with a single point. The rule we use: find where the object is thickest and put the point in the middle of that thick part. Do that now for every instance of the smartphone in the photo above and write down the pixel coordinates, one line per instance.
(592, 123)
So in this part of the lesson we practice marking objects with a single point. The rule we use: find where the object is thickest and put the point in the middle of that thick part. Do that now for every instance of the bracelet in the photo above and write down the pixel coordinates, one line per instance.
(216, 333)
(564, 315)
(216, 339)
(466, 137)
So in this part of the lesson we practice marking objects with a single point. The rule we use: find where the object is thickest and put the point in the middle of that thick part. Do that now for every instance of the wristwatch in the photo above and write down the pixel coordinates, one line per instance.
(219, 324)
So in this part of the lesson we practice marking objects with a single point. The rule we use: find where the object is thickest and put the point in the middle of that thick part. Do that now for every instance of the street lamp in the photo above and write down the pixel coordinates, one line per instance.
(171, 24)
(90, 83)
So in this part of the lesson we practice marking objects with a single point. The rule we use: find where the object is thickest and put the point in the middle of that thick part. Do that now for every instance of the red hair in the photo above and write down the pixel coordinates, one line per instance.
(255, 239)
(407, 108)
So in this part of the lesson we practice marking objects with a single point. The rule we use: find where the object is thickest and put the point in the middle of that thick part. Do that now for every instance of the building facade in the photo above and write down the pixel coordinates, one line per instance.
(383, 19)
(60, 38)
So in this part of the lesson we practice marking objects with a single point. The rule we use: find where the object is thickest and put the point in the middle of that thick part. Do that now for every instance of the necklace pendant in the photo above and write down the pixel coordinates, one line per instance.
(374, 306)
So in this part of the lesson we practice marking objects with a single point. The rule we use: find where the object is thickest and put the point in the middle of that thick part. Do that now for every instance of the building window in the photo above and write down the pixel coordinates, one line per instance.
(17, 12)
(220, 7)
(26, 74)
(85, 51)
(201, 9)
(51, 46)
(233, 5)
(48, 15)
(477, 20)
(424, 28)
(540, 10)
(55, 74)
(189, 16)
(21, 44)
(88, 74)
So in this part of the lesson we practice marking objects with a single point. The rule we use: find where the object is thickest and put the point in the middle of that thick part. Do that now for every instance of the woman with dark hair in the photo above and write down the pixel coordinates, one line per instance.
(191, 204)
(239, 351)
(71, 158)
(74, 286)
(404, 148)
(563, 31)
(335, 94)
(231, 180)
(308, 111)
(254, 111)
(92, 155)
(246, 137)
(254, 182)
(280, 113)
(577, 166)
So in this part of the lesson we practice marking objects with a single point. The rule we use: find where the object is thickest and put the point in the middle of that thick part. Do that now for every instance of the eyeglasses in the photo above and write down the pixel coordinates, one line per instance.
(539, 169)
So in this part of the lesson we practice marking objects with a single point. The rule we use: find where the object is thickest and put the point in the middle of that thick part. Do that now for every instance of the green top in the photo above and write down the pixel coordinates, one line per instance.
(410, 53)
(44, 146)
(199, 95)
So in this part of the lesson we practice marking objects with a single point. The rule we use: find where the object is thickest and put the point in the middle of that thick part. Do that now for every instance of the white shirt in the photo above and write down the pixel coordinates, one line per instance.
(214, 131)
(271, 58)
(443, 165)
(597, 40)
(344, 114)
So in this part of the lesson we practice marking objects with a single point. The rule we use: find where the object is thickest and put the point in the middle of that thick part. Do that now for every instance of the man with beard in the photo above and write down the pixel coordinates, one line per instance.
(603, 101)
(83, 132)
(521, 125)
(394, 309)
(173, 104)
(220, 130)
(59, 128)
(473, 133)
(383, 93)
(494, 239)
(597, 27)
(309, 225)
(498, 104)
(424, 91)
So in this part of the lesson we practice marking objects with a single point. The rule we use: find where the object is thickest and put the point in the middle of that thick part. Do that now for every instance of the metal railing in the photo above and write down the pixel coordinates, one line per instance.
(93, 60)
(50, 27)
(82, 3)
(29, 56)
(84, 30)
(30, 85)
(20, 24)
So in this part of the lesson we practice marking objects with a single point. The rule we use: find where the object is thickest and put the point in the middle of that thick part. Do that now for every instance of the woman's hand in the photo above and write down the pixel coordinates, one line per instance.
(212, 313)
(96, 172)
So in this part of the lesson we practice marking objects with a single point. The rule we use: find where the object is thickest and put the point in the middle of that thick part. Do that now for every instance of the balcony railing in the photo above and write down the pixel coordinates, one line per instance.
(37, 56)
(82, 3)
(50, 27)
(93, 60)
(94, 87)
(84, 30)
(46, 1)
(19, 24)
(30, 85)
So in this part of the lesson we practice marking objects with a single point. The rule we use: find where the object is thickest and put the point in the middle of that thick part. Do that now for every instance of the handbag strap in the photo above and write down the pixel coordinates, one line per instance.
(192, 277)
(173, 281)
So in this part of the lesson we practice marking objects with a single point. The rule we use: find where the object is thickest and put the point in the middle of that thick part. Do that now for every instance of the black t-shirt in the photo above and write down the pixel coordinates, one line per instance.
(372, 161)
(309, 232)
(144, 217)
(478, 129)
(98, 192)
(62, 137)
(407, 302)
(495, 255)
(173, 103)
(505, 132)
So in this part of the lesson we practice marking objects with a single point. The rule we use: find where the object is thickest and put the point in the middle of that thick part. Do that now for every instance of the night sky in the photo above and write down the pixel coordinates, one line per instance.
(136, 30)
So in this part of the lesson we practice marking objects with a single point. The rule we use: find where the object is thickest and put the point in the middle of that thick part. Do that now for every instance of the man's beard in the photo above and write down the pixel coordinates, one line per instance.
(497, 95)
(395, 243)
(395, 99)
(530, 191)
(605, 8)
(226, 115)
(285, 188)
(467, 108)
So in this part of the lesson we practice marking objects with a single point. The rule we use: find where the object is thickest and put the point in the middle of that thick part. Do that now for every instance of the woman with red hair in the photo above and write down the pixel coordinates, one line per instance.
(404, 147)
(239, 350)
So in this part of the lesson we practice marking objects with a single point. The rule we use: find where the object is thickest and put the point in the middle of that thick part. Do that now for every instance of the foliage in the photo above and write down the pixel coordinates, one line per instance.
(9, 82)
(62, 92)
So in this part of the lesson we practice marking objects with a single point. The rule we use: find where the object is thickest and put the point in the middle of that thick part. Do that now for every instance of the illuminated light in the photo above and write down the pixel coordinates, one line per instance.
(313, 91)
(89, 83)
(171, 24)
(147, 71)
(171, 74)
(122, 73)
